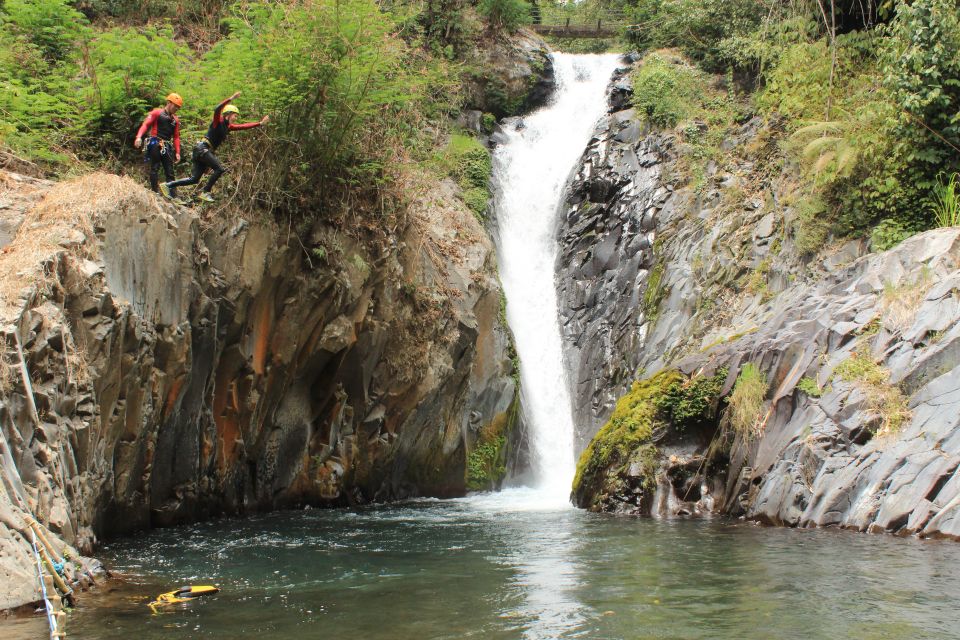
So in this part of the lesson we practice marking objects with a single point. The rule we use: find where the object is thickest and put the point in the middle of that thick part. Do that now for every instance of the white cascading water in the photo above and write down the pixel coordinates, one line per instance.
(530, 171)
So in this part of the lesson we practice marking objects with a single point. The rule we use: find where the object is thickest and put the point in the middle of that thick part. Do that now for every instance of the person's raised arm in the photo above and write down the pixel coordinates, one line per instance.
(219, 108)
(250, 125)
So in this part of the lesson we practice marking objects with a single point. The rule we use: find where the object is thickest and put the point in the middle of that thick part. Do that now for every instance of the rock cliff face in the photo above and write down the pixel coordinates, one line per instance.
(183, 367)
(605, 260)
(511, 75)
(857, 424)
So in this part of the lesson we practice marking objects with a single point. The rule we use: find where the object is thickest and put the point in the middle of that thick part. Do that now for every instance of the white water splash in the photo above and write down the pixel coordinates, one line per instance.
(530, 171)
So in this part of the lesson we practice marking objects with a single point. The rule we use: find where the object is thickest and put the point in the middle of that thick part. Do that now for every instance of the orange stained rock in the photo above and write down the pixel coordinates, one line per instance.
(172, 396)
(263, 324)
(226, 419)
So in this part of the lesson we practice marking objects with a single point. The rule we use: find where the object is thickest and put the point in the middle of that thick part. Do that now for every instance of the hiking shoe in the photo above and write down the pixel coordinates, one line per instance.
(183, 202)
(165, 191)
(206, 197)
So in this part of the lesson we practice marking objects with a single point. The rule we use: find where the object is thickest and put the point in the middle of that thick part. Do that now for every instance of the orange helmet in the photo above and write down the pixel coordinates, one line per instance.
(175, 99)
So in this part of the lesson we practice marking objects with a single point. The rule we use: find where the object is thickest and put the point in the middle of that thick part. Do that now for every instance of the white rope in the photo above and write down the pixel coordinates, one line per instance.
(51, 619)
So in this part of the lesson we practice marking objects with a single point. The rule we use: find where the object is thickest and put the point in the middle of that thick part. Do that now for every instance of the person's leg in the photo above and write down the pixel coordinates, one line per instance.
(155, 160)
(168, 159)
(198, 169)
(217, 169)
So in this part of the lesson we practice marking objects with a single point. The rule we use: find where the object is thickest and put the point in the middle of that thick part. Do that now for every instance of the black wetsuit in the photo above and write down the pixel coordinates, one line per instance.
(203, 152)
(161, 147)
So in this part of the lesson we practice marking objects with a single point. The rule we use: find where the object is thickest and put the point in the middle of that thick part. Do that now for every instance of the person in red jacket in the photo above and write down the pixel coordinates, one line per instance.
(163, 143)
(224, 121)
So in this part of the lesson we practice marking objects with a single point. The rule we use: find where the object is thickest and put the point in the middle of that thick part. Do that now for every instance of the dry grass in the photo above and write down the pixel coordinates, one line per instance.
(901, 302)
(61, 221)
(7, 371)
(883, 399)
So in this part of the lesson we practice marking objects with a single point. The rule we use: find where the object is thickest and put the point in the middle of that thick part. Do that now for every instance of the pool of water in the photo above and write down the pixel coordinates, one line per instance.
(510, 566)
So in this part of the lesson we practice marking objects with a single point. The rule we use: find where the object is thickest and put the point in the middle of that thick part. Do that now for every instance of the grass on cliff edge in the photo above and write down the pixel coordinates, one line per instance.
(746, 402)
(62, 215)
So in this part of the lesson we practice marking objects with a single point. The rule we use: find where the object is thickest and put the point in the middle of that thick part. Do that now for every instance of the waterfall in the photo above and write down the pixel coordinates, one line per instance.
(530, 170)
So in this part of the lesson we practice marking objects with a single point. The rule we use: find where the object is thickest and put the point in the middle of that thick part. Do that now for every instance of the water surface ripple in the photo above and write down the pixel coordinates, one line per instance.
(494, 566)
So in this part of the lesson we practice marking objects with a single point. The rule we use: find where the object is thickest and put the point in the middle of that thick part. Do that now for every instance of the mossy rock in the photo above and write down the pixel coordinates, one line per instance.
(487, 461)
(624, 452)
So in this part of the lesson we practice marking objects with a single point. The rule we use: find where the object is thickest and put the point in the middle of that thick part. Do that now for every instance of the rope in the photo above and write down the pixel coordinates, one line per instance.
(51, 619)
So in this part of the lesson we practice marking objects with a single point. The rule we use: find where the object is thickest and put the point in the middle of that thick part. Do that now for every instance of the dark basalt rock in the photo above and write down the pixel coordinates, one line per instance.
(606, 235)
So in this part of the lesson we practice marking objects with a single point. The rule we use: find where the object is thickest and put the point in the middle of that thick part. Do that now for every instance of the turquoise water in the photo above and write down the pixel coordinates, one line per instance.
(497, 567)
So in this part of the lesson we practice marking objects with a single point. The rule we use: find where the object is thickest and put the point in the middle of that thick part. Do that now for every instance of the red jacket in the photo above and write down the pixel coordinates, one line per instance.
(153, 122)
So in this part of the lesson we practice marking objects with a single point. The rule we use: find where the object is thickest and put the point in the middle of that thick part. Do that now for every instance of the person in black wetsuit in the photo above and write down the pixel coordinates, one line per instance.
(224, 117)
(163, 141)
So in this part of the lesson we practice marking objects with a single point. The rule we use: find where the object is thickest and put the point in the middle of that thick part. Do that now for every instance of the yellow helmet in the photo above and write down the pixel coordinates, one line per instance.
(175, 99)
(231, 109)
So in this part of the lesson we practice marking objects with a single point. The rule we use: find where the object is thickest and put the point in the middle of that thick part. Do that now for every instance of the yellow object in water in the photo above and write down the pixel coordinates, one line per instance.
(183, 594)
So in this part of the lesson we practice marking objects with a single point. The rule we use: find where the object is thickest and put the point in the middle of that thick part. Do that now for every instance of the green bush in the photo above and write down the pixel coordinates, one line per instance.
(39, 104)
(348, 98)
(486, 464)
(921, 65)
(506, 15)
(469, 163)
(664, 92)
(130, 70)
(53, 26)
(689, 403)
(888, 234)
(696, 27)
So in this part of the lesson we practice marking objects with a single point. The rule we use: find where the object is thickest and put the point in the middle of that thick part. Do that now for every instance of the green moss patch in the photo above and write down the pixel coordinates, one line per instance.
(668, 399)
(468, 162)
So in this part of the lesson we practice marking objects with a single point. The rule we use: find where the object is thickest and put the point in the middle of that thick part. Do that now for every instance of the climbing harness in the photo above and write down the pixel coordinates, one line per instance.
(152, 143)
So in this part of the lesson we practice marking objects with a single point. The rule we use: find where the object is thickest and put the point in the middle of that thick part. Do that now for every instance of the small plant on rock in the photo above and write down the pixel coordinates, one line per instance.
(810, 387)
(688, 402)
(882, 398)
(946, 201)
(746, 401)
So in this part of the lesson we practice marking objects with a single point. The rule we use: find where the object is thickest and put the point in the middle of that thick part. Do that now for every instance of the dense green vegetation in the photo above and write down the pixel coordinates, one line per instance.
(355, 91)
(469, 163)
(868, 96)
